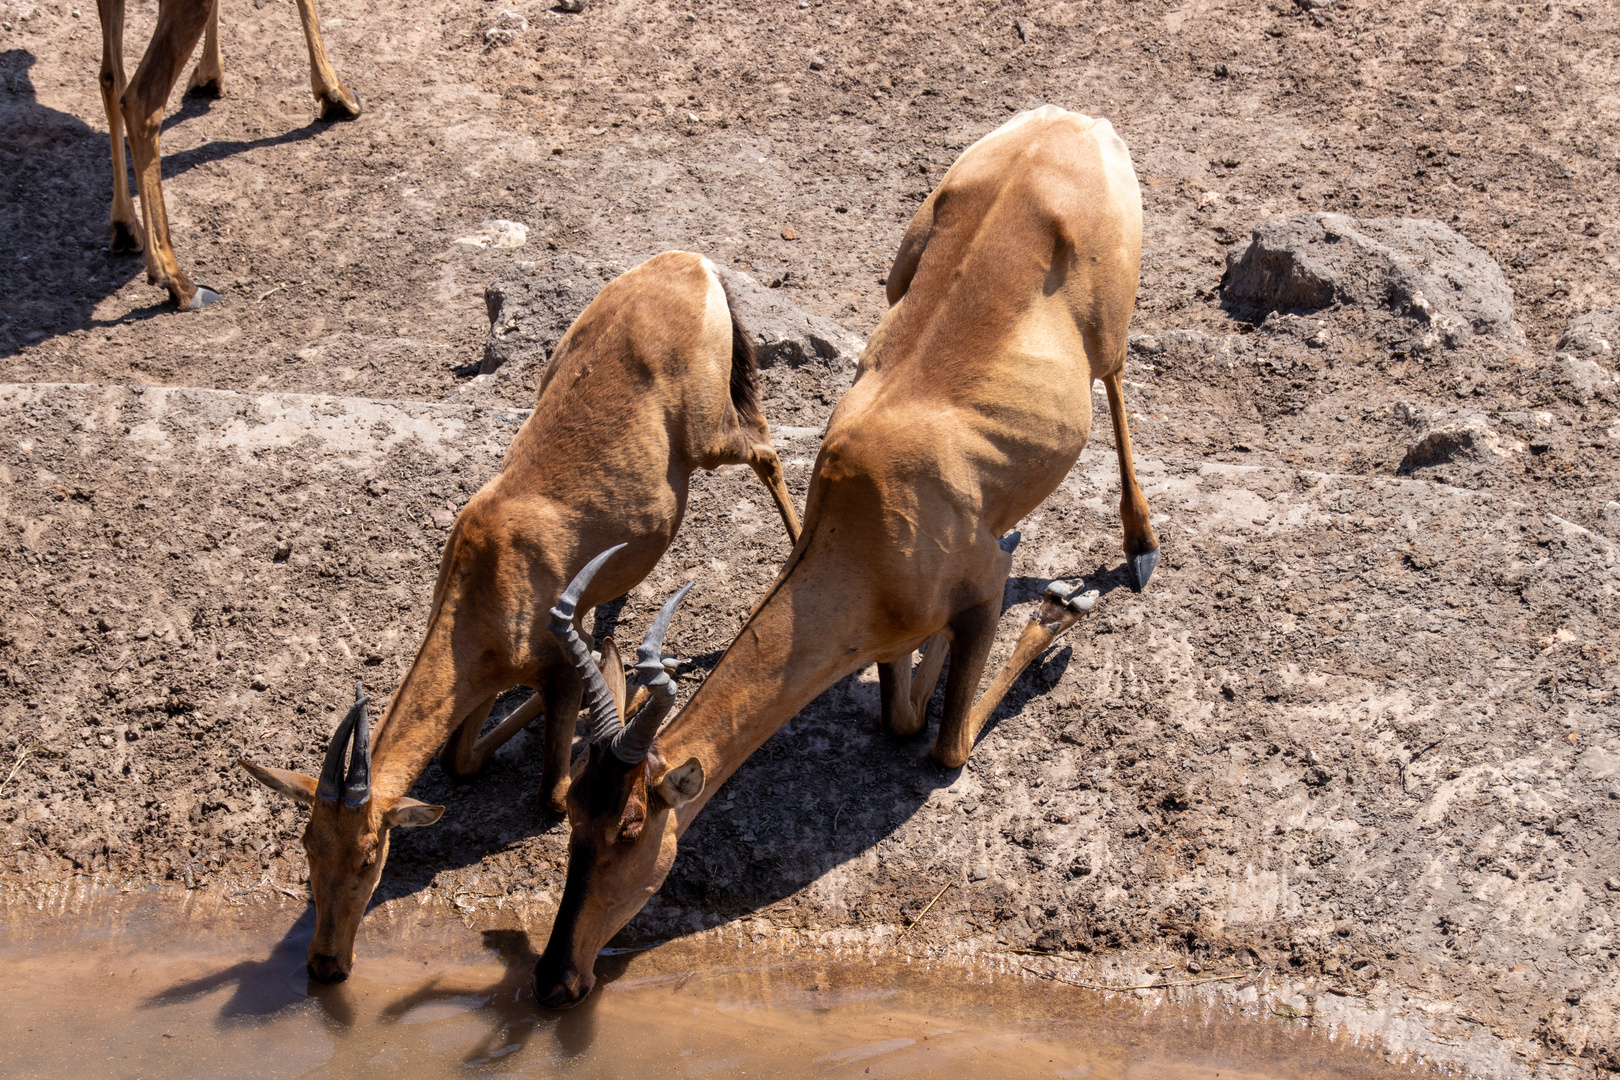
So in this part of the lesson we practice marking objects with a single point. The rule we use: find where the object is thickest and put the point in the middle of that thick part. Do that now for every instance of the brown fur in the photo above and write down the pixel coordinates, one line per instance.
(637, 396)
(1010, 294)
(139, 107)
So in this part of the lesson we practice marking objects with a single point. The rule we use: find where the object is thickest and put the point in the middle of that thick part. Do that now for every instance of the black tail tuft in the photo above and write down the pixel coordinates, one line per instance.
(744, 369)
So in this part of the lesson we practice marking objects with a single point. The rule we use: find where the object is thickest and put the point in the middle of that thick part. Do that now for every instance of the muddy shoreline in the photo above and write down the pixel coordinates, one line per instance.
(204, 983)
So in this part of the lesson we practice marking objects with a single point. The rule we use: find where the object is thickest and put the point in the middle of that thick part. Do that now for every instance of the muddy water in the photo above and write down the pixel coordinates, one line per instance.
(167, 992)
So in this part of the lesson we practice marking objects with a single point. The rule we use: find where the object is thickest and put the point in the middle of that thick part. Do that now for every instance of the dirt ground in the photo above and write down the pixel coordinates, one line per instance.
(1359, 740)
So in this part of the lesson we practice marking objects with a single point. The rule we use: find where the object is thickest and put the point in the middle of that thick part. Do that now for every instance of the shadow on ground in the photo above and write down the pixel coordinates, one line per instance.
(56, 180)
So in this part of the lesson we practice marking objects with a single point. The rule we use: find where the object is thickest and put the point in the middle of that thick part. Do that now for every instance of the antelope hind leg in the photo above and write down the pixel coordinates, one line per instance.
(336, 103)
(208, 77)
(762, 458)
(1141, 546)
(179, 24)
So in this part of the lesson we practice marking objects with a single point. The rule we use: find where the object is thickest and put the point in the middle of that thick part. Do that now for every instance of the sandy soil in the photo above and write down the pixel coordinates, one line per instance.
(1361, 732)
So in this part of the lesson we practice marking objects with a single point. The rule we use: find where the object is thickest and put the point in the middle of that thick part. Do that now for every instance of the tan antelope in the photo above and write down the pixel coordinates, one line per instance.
(1010, 294)
(138, 108)
(654, 380)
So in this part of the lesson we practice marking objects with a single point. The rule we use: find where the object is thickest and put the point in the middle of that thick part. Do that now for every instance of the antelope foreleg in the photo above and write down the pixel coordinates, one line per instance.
(563, 691)
(126, 227)
(208, 77)
(459, 756)
(900, 718)
(483, 747)
(926, 677)
(335, 102)
(960, 728)
(1141, 546)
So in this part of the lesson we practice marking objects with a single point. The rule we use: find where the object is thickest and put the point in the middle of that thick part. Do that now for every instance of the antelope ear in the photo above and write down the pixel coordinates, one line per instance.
(409, 813)
(294, 785)
(683, 783)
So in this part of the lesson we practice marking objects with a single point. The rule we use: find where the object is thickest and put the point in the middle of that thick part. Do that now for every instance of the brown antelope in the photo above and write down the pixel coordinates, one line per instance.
(1010, 294)
(654, 379)
(138, 107)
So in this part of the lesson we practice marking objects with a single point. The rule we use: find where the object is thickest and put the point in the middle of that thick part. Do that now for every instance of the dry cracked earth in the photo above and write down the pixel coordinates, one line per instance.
(1357, 743)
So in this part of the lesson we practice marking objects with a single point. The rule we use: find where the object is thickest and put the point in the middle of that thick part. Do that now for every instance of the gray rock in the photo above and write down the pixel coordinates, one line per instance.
(1584, 379)
(1173, 346)
(1418, 269)
(529, 313)
(1597, 333)
(1445, 436)
(784, 333)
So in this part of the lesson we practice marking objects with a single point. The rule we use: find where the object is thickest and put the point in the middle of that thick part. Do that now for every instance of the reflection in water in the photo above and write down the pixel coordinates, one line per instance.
(175, 999)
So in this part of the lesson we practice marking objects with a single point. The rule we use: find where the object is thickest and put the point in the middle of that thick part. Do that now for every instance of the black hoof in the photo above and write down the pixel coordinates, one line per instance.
(203, 297)
(1140, 568)
(340, 106)
(1009, 543)
(125, 239)
(212, 89)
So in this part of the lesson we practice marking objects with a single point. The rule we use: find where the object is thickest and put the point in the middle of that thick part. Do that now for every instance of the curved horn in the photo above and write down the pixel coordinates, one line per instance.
(357, 788)
(631, 744)
(332, 771)
(605, 720)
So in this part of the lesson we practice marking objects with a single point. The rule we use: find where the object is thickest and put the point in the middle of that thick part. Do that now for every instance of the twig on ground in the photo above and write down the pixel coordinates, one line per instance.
(272, 292)
(22, 757)
(1139, 986)
(1413, 758)
(924, 911)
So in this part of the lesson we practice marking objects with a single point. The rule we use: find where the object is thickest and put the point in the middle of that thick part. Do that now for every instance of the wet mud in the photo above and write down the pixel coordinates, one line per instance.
(162, 987)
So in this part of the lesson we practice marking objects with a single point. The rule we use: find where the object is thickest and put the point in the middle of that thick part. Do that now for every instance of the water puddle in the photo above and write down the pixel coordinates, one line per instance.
(165, 992)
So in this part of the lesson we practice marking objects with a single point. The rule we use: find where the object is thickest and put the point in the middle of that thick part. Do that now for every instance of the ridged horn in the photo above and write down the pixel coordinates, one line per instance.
(330, 785)
(605, 721)
(632, 743)
(357, 788)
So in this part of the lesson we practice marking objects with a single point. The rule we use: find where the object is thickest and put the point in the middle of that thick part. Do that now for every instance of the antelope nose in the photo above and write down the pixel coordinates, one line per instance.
(562, 990)
(325, 969)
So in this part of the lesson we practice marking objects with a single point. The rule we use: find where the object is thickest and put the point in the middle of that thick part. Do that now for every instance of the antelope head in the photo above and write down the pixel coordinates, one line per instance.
(620, 801)
(346, 840)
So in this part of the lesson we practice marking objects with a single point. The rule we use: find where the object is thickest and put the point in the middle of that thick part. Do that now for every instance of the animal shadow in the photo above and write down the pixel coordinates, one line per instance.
(57, 191)
(261, 990)
(829, 786)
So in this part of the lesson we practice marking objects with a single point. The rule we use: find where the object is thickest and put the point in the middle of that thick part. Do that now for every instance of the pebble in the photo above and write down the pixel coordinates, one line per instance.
(817, 63)
(790, 234)
(260, 683)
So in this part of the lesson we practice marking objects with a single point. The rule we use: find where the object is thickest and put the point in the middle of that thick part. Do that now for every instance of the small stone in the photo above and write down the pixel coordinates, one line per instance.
(507, 28)
(260, 683)
(573, 7)
(283, 551)
(790, 234)
(1024, 29)
(817, 63)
